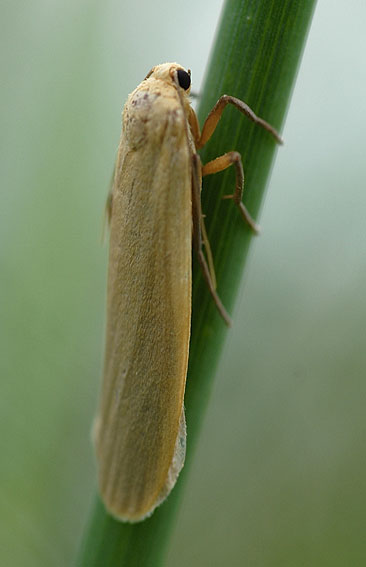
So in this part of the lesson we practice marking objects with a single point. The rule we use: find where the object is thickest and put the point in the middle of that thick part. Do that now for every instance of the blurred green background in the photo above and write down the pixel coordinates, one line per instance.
(279, 473)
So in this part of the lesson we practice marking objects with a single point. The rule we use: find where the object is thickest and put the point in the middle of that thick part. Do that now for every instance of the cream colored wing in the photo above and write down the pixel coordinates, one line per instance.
(140, 430)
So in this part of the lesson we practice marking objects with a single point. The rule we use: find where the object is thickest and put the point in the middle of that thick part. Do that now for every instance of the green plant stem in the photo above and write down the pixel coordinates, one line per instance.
(255, 58)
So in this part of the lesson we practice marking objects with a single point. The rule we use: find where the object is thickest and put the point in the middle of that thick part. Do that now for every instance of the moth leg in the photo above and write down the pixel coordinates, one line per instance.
(221, 163)
(215, 115)
(207, 246)
(107, 216)
(108, 205)
(197, 236)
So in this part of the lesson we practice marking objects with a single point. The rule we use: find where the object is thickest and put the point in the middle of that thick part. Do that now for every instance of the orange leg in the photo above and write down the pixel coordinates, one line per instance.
(221, 163)
(197, 237)
(215, 115)
(214, 166)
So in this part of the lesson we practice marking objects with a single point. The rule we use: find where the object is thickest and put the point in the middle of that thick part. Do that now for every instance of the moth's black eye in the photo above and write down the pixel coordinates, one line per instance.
(184, 79)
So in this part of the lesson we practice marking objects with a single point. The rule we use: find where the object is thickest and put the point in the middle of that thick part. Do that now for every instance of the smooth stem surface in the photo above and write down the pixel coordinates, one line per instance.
(255, 58)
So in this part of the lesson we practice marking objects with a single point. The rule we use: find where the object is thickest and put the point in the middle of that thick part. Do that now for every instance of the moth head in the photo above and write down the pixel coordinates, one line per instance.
(173, 74)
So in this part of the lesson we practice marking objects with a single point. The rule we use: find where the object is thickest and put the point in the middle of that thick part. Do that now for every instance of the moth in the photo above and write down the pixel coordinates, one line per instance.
(155, 219)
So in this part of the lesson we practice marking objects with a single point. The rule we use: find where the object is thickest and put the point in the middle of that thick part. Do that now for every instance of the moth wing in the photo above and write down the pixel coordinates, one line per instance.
(140, 431)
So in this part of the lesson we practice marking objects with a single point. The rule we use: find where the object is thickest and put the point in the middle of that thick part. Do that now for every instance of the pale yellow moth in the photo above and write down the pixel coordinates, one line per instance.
(154, 209)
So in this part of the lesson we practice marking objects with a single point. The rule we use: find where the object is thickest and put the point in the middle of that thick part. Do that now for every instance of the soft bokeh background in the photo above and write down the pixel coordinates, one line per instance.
(279, 475)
